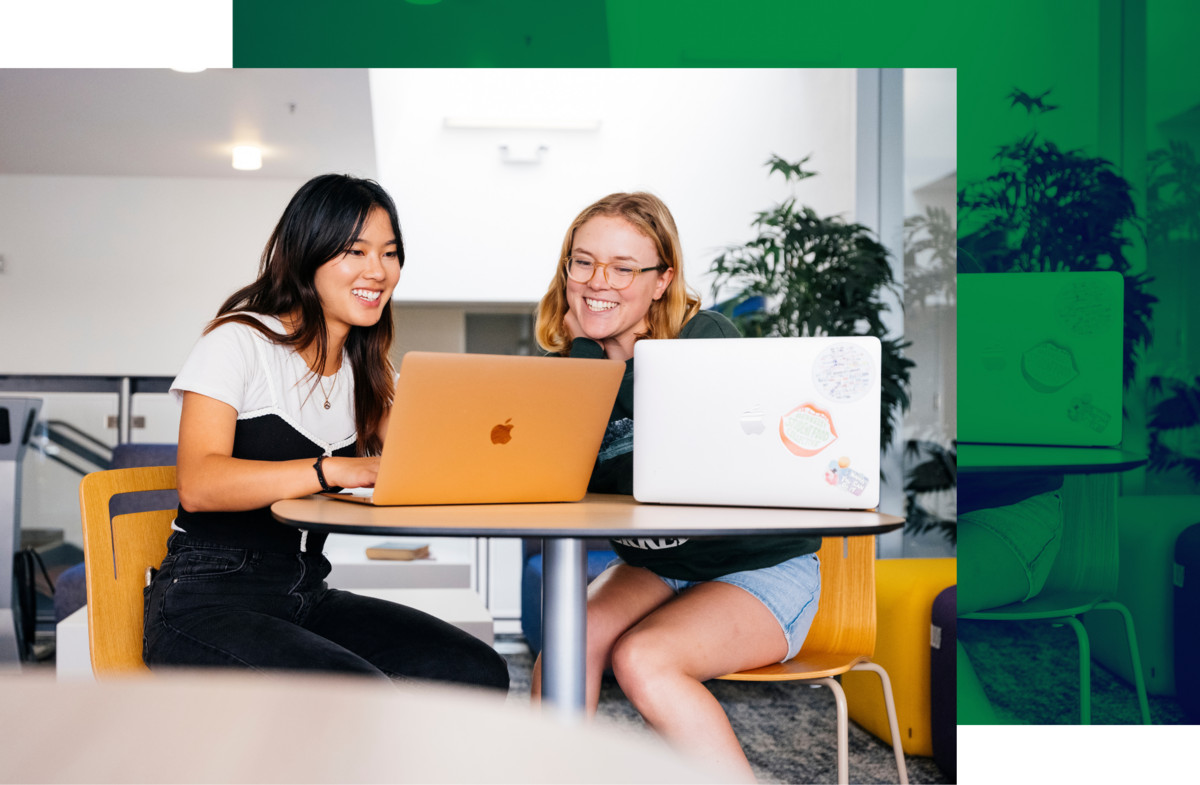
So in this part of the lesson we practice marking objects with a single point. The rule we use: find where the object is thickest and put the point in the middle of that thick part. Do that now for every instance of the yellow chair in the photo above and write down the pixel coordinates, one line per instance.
(904, 593)
(117, 554)
(841, 639)
(1083, 579)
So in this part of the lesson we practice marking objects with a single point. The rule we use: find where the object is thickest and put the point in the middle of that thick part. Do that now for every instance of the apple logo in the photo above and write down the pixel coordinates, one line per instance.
(752, 421)
(500, 434)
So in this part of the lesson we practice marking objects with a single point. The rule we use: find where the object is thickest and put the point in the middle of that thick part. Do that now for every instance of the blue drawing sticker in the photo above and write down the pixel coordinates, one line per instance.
(842, 372)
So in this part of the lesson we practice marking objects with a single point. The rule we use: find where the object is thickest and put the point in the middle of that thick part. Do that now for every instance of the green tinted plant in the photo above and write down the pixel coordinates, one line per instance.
(816, 276)
(1053, 210)
(1178, 412)
(1173, 226)
(1173, 195)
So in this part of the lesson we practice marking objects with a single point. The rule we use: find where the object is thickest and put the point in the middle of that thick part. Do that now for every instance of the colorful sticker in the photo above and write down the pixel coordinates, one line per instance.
(1048, 367)
(1083, 412)
(839, 474)
(1082, 308)
(806, 430)
(842, 372)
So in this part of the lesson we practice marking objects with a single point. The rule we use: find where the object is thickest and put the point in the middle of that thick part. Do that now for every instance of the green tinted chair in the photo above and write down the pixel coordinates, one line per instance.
(1083, 579)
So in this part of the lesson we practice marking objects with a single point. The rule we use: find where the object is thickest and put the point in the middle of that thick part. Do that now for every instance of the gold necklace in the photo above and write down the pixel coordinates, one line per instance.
(321, 382)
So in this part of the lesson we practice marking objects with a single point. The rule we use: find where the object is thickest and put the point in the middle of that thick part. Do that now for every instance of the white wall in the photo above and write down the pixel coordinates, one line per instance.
(478, 229)
(118, 275)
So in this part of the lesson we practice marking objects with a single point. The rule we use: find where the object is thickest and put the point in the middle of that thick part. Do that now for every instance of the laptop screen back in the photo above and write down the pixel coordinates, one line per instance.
(477, 429)
(1040, 357)
(771, 422)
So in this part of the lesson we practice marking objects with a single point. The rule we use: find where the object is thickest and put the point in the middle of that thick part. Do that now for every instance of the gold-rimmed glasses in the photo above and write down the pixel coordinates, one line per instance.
(619, 275)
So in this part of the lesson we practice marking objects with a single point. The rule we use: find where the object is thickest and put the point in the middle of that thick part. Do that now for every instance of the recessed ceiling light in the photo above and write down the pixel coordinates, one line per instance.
(190, 69)
(247, 157)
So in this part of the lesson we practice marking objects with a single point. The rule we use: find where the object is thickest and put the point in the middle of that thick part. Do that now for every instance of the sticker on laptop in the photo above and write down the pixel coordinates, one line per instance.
(1048, 367)
(842, 372)
(839, 474)
(1083, 412)
(806, 430)
(1083, 307)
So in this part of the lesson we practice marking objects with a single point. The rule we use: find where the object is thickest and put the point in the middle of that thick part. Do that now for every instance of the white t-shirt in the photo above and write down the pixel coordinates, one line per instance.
(237, 365)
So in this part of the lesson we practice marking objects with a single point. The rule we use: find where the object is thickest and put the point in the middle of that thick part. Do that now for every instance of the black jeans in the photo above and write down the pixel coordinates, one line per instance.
(211, 605)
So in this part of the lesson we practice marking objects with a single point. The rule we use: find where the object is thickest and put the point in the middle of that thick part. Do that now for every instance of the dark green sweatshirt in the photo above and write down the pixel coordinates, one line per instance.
(680, 558)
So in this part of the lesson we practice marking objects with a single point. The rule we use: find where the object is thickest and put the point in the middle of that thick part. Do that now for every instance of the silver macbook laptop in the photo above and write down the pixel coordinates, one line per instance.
(761, 422)
(1039, 358)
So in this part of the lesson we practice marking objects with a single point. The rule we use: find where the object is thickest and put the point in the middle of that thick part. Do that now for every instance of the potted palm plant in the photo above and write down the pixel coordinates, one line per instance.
(807, 275)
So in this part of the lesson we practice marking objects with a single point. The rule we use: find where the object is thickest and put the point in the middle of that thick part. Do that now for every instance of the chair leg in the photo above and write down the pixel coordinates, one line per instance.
(1135, 657)
(843, 720)
(886, 684)
(1085, 669)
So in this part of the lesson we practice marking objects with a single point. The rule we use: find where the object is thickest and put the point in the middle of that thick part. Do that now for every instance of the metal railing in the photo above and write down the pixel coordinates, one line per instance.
(125, 388)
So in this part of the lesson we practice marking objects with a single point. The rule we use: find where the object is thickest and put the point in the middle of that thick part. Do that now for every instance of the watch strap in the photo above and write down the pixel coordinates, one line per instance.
(326, 487)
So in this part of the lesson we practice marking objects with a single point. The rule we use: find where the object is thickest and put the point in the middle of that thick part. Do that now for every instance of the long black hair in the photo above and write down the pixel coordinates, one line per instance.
(321, 222)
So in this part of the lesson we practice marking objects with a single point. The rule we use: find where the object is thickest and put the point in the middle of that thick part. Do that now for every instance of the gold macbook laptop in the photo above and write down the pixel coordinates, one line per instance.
(484, 429)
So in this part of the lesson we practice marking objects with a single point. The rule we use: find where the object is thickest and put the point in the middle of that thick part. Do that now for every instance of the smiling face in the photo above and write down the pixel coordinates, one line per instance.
(357, 285)
(605, 313)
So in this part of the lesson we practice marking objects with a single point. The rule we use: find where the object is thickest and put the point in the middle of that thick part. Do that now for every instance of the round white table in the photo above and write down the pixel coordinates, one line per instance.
(563, 528)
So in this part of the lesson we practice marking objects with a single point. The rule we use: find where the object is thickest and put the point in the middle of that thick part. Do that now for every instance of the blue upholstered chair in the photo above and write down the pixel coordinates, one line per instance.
(599, 555)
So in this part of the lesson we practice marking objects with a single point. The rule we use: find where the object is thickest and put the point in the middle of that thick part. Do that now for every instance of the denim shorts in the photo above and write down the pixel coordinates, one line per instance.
(791, 591)
(1031, 528)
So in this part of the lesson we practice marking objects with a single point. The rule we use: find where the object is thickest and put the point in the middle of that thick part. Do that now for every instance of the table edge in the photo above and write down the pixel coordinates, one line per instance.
(591, 533)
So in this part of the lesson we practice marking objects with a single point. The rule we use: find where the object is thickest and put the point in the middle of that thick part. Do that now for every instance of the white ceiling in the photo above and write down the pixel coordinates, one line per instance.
(164, 123)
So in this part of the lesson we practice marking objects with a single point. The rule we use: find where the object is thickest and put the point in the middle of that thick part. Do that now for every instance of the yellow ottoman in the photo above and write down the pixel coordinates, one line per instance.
(904, 593)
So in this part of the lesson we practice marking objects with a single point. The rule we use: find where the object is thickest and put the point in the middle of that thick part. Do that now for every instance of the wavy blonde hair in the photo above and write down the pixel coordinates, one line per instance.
(648, 215)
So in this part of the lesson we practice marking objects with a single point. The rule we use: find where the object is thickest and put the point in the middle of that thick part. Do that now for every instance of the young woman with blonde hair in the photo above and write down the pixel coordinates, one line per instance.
(667, 615)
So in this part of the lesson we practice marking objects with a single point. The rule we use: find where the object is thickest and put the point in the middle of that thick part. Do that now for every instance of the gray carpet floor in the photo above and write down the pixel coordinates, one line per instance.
(1030, 672)
(788, 731)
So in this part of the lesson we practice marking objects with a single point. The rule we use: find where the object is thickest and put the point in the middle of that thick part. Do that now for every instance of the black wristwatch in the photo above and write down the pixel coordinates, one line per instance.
(321, 476)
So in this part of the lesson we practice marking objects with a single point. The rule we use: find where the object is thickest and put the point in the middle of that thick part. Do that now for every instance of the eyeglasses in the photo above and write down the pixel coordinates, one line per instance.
(618, 275)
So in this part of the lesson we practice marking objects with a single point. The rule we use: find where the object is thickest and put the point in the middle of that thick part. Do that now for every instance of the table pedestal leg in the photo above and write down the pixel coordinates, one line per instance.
(564, 627)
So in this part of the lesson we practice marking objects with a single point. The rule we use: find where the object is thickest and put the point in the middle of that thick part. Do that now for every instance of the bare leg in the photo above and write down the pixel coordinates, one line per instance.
(617, 600)
(994, 577)
(709, 630)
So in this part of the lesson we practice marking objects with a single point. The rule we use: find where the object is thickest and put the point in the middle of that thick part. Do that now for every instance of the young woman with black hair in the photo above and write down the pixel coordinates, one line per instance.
(287, 393)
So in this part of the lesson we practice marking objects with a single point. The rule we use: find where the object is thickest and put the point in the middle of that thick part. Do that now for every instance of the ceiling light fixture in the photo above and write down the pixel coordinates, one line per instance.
(190, 69)
(247, 157)
(494, 124)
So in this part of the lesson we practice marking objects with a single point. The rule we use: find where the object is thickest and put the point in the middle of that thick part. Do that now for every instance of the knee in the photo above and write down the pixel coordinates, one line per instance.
(638, 660)
(474, 663)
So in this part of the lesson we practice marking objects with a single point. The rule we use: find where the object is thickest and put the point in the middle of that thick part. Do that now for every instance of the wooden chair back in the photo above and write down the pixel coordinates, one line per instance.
(116, 553)
(1087, 555)
(843, 631)
(845, 620)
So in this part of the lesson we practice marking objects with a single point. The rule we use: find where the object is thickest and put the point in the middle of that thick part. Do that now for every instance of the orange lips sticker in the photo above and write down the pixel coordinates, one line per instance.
(806, 430)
